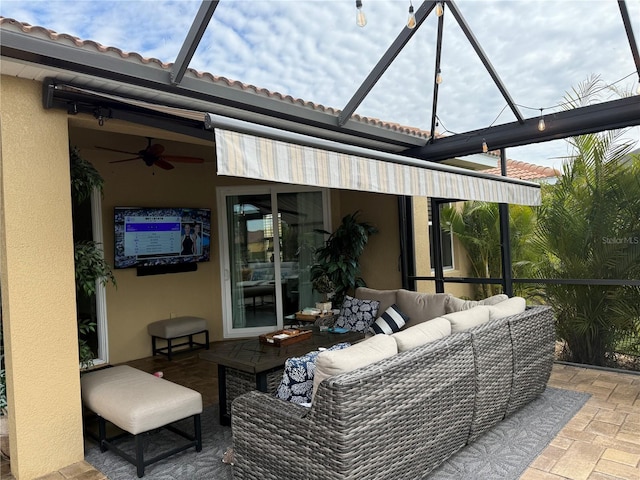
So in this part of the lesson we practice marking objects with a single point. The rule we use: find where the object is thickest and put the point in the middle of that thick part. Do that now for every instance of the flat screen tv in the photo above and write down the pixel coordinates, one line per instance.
(156, 237)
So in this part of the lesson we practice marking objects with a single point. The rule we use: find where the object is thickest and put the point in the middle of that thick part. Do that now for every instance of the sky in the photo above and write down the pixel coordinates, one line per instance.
(313, 50)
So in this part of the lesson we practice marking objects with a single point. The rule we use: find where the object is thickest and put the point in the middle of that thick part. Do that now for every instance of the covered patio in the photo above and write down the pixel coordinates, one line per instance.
(72, 92)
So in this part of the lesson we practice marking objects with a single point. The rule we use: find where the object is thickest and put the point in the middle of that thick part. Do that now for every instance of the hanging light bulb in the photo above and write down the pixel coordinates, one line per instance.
(411, 21)
(439, 77)
(485, 148)
(361, 19)
(541, 124)
(439, 9)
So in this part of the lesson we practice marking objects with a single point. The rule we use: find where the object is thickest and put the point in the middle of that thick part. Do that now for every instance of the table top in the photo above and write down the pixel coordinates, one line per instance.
(249, 355)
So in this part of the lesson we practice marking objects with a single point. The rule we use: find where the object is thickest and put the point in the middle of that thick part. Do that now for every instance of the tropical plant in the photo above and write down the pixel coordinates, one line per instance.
(589, 228)
(339, 258)
(477, 226)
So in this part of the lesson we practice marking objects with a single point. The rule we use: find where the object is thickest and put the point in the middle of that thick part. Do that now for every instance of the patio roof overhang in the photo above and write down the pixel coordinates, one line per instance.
(183, 88)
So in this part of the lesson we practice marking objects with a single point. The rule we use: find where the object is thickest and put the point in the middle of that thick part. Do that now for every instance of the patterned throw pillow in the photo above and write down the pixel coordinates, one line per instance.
(357, 315)
(297, 380)
(392, 320)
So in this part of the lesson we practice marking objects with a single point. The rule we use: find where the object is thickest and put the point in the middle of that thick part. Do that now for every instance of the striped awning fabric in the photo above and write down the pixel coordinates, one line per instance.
(249, 156)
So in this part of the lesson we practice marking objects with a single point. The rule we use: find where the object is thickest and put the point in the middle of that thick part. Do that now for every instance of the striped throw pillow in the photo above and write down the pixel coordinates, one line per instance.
(392, 320)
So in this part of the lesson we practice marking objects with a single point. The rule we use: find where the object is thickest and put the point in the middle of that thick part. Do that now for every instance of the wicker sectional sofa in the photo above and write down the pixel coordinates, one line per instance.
(400, 417)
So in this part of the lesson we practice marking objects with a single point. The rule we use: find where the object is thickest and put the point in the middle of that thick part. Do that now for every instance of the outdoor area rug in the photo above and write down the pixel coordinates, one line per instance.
(503, 453)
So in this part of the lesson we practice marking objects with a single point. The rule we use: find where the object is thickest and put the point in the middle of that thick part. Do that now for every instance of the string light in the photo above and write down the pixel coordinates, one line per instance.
(439, 9)
(411, 21)
(541, 124)
(361, 19)
(485, 148)
(439, 77)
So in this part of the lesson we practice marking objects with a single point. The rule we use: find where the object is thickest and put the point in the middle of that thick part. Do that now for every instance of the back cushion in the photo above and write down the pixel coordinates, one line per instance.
(385, 297)
(420, 307)
(422, 333)
(465, 319)
(509, 307)
(373, 349)
(455, 304)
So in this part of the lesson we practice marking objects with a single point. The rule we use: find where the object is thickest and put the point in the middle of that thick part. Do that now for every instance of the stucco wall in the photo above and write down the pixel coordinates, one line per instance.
(38, 292)
(380, 261)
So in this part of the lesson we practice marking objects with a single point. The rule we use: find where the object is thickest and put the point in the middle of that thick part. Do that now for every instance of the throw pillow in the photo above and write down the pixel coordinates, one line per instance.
(357, 315)
(455, 304)
(392, 320)
(296, 385)
(507, 308)
(466, 319)
(422, 333)
(385, 297)
(361, 354)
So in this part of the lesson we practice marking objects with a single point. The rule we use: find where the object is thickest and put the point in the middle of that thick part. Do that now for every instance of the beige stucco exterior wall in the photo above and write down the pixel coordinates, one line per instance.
(380, 262)
(38, 292)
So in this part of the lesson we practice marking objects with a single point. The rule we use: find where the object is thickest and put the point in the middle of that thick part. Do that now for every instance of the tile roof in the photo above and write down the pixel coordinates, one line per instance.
(525, 171)
(70, 40)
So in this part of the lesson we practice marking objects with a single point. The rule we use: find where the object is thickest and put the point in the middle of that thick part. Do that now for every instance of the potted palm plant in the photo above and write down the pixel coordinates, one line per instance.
(339, 259)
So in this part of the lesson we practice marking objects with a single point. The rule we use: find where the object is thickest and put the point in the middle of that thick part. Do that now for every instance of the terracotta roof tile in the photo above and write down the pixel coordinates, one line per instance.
(133, 56)
(524, 170)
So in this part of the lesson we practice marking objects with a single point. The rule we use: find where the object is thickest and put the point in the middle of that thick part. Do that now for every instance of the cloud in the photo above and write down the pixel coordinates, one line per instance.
(313, 50)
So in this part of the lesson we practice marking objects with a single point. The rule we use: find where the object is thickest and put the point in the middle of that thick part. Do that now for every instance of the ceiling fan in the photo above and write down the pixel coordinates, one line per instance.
(152, 155)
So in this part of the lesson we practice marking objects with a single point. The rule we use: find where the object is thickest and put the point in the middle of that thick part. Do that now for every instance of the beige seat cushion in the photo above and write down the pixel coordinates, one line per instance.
(137, 401)
(385, 297)
(455, 304)
(335, 362)
(465, 319)
(420, 307)
(422, 333)
(509, 307)
(177, 327)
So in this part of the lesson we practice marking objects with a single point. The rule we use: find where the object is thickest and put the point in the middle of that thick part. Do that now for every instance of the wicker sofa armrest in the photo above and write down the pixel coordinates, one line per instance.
(270, 436)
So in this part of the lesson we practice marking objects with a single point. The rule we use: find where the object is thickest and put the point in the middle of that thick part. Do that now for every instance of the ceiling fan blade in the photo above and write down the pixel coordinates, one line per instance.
(114, 150)
(155, 149)
(126, 159)
(179, 159)
(163, 164)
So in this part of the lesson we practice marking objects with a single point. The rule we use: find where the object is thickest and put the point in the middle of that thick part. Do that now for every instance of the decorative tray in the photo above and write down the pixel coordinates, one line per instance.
(285, 337)
(311, 317)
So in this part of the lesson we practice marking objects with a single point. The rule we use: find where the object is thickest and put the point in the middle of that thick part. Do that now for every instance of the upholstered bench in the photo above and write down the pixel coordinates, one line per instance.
(138, 402)
(174, 328)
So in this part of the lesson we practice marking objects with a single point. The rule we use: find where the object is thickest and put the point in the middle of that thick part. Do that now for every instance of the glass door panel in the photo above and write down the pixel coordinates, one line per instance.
(252, 269)
(300, 220)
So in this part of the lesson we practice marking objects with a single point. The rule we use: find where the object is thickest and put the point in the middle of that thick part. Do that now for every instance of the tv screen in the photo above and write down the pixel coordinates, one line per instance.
(147, 237)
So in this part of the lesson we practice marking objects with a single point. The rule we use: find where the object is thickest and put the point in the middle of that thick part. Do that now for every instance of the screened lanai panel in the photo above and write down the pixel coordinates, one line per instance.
(249, 156)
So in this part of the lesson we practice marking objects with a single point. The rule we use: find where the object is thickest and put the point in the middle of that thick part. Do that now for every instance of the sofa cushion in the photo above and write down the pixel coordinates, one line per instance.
(455, 304)
(385, 297)
(420, 307)
(422, 333)
(297, 379)
(512, 306)
(373, 349)
(357, 315)
(465, 319)
(392, 320)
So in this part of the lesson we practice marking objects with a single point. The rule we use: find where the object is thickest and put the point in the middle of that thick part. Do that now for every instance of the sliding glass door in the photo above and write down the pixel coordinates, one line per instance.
(268, 237)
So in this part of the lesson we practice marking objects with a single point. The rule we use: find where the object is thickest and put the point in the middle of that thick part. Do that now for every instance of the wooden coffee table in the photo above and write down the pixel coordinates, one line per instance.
(246, 365)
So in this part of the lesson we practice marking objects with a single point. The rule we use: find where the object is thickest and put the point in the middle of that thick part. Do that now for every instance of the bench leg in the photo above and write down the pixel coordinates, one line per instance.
(139, 457)
(169, 349)
(102, 434)
(206, 337)
(197, 430)
(153, 345)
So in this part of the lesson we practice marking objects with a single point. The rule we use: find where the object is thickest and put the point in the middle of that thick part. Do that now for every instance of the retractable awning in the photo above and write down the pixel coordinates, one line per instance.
(255, 151)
